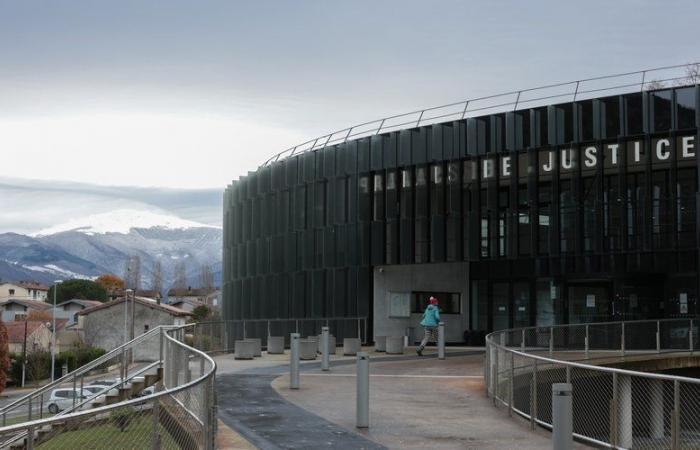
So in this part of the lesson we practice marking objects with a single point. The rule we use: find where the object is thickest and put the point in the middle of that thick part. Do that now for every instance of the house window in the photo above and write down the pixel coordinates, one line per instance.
(449, 302)
(145, 328)
(12, 292)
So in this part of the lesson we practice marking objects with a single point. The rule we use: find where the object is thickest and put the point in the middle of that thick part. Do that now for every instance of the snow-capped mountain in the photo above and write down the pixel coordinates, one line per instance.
(101, 243)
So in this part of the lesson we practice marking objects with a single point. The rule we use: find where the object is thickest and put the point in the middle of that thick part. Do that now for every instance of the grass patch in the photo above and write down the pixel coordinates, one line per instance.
(126, 431)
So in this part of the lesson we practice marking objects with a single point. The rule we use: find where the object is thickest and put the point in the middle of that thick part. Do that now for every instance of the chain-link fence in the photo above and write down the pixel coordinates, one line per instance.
(612, 407)
(221, 336)
(152, 392)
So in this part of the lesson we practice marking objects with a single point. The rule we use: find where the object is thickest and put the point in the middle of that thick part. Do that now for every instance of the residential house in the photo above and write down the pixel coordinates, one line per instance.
(18, 309)
(103, 325)
(206, 296)
(114, 294)
(25, 290)
(70, 308)
(37, 332)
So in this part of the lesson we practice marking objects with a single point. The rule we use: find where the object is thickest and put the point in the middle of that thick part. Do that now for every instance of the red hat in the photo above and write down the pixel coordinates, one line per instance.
(433, 301)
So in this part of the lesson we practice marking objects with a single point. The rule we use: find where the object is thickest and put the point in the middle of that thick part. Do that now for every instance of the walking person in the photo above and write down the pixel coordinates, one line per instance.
(430, 322)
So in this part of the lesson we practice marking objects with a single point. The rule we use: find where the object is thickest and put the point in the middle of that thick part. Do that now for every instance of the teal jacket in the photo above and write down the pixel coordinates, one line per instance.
(431, 316)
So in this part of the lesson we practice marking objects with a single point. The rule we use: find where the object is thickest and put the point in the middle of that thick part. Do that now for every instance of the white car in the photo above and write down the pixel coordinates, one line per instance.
(63, 399)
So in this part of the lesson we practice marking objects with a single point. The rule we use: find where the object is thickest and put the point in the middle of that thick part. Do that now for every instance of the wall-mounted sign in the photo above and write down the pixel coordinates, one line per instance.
(590, 301)
(399, 304)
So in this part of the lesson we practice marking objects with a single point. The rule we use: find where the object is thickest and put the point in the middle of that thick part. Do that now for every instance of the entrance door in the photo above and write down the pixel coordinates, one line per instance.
(590, 303)
(501, 306)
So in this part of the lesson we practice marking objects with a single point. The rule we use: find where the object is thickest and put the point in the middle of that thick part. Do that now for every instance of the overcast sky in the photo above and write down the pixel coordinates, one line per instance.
(192, 94)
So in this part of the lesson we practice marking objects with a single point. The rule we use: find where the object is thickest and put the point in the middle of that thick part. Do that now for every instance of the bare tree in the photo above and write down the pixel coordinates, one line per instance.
(180, 281)
(157, 284)
(132, 273)
(654, 85)
(206, 278)
(692, 74)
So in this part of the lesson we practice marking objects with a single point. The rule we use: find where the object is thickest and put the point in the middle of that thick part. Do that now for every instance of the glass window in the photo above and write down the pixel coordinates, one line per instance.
(635, 211)
(543, 221)
(541, 138)
(480, 305)
(392, 205)
(567, 216)
(524, 229)
(503, 197)
(501, 304)
(590, 213)
(612, 219)
(406, 199)
(546, 303)
(378, 194)
(449, 302)
(437, 191)
(586, 121)
(610, 109)
(634, 114)
(565, 124)
(365, 213)
(521, 297)
(685, 108)
(421, 191)
(685, 200)
(341, 194)
(661, 110)
(661, 209)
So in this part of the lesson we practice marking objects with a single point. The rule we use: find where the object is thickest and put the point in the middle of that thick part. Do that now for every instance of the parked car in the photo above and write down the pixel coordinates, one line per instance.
(62, 399)
(148, 391)
(93, 389)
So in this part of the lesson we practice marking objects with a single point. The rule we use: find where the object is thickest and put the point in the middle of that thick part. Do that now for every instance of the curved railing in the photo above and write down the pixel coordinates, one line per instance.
(178, 412)
(612, 407)
(507, 101)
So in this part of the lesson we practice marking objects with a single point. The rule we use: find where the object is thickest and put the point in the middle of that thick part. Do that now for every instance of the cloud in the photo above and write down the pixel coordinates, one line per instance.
(30, 205)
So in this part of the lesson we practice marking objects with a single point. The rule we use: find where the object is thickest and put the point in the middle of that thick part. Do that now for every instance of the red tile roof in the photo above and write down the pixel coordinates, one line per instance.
(140, 300)
(15, 330)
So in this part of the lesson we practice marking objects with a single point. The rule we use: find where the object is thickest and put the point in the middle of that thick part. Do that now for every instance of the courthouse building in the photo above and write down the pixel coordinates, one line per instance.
(564, 213)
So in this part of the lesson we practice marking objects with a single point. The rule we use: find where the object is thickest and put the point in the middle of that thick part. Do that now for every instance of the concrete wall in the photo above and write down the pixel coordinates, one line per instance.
(104, 328)
(443, 277)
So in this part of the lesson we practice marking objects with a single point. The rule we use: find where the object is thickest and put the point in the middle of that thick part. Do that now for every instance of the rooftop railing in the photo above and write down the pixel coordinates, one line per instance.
(582, 89)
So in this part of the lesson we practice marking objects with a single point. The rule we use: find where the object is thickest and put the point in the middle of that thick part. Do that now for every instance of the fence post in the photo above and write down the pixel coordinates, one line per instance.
(622, 339)
(562, 417)
(30, 438)
(441, 340)
(586, 343)
(613, 411)
(155, 433)
(658, 336)
(533, 396)
(676, 417)
(294, 361)
(510, 384)
(690, 336)
(551, 340)
(522, 340)
(325, 354)
(495, 381)
(362, 390)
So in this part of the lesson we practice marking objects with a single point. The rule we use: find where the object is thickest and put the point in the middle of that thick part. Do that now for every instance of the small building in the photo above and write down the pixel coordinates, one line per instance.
(206, 296)
(25, 290)
(18, 309)
(103, 325)
(38, 336)
(70, 308)
(186, 304)
(154, 295)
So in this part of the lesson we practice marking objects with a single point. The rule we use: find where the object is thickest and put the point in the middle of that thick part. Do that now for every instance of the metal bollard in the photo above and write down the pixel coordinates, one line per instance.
(441, 340)
(362, 420)
(325, 353)
(294, 361)
(562, 420)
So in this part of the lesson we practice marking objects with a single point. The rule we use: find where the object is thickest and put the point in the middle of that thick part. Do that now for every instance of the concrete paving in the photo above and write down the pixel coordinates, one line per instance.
(415, 403)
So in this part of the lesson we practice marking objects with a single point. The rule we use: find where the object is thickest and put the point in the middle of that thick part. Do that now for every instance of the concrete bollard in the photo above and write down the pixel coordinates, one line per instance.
(275, 345)
(244, 349)
(307, 349)
(351, 346)
(562, 417)
(294, 361)
(325, 348)
(380, 344)
(331, 345)
(257, 343)
(394, 345)
(441, 340)
(362, 417)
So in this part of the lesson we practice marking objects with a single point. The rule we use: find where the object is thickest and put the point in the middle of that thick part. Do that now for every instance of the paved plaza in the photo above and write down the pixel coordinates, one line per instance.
(415, 403)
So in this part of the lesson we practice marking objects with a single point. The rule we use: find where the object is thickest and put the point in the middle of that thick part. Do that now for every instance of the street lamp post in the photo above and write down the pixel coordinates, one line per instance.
(53, 331)
(127, 293)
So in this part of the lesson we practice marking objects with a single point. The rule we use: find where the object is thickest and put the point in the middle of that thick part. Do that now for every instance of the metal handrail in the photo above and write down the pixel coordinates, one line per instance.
(101, 409)
(80, 370)
(345, 134)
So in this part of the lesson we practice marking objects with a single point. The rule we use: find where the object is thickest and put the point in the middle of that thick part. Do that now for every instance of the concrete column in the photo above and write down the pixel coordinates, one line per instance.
(656, 413)
(562, 417)
(362, 420)
(624, 411)
(294, 361)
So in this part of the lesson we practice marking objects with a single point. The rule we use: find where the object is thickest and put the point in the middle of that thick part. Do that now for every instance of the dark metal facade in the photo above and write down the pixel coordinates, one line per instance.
(569, 212)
